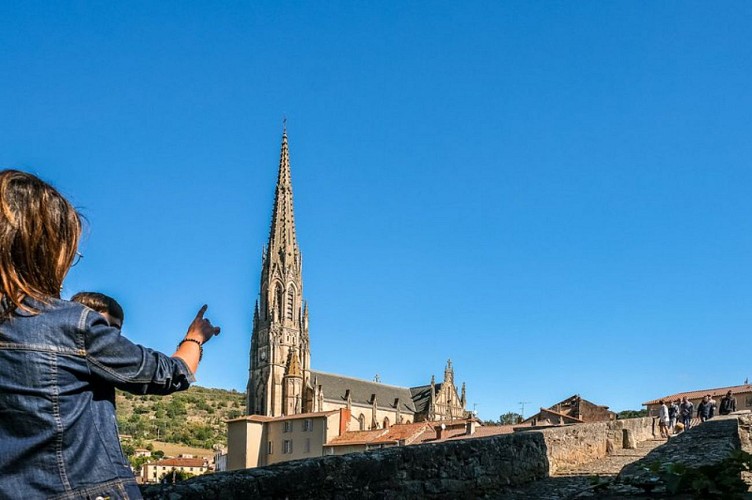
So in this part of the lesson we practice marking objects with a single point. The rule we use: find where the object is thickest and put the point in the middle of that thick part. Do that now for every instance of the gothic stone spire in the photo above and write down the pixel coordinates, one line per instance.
(282, 238)
(280, 327)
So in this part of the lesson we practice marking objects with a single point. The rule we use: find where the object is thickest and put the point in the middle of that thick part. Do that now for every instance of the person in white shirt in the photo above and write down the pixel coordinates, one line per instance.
(663, 419)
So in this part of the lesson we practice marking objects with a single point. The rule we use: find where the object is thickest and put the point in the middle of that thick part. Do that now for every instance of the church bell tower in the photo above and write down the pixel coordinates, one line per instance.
(280, 353)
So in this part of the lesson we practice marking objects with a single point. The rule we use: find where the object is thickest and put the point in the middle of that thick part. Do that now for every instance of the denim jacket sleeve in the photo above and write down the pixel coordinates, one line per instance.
(128, 366)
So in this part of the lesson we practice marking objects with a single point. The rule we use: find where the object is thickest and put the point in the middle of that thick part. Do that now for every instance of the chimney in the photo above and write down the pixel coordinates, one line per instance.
(440, 431)
(344, 420)
(470, 427)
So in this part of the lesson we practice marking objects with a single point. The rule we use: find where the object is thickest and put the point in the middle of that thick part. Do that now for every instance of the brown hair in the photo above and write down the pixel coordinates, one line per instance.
(39, 232)
(101, 303)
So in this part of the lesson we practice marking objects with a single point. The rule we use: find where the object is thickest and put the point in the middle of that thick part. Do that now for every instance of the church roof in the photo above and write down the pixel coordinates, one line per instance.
(422, 397)
(335, 388)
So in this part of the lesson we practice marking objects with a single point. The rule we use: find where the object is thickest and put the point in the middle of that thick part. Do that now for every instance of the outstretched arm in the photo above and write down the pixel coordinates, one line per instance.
(200, 332)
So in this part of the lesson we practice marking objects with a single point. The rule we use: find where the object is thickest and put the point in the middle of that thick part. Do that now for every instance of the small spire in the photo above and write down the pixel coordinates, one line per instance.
(293, 367)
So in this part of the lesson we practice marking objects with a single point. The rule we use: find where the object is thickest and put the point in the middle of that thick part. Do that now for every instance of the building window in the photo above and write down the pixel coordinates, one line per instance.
(749, 401)
(280, 301)
(269, 448)
(288, 426)
(308, 445)
(362, 422)
(290, 302)
(386, 422)
(308, 425)
(287, 446)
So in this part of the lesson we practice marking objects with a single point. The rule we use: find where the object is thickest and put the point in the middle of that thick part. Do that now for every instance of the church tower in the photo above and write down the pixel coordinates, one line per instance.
(280, 352)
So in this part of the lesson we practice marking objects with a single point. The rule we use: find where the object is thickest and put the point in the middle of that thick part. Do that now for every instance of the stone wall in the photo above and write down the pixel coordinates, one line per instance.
(468, 468)
(706, 445)
(582, 443)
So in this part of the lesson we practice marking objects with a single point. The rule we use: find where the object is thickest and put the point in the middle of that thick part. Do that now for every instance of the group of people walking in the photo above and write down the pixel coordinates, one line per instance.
(676, 416)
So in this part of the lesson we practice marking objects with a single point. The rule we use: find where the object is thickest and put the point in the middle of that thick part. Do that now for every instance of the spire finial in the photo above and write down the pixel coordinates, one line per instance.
(284, 124)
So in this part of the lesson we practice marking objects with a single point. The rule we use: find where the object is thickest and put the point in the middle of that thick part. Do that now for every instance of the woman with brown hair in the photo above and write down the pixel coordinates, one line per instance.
(60, 361)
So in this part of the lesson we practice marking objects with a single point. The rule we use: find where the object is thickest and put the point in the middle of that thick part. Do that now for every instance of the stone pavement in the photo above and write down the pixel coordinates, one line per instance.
(583, 481)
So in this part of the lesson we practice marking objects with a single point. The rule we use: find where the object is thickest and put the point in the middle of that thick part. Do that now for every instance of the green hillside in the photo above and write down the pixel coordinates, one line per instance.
(194, 417)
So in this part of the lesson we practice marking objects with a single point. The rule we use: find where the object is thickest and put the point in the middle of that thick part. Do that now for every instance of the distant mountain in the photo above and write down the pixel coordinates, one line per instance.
(194, 417)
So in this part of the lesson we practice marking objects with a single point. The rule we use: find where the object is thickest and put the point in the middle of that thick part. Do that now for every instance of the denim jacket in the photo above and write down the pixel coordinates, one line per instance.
(58, 373)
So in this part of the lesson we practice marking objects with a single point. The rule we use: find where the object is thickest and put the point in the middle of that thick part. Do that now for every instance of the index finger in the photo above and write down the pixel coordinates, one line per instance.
(201, 311)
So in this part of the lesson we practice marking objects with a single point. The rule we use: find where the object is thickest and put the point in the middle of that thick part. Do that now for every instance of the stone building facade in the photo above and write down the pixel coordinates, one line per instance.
(440, 401)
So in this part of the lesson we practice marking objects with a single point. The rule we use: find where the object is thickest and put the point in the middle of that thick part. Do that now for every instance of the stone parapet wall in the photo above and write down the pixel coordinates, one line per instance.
(582, 443)
(706, 445)
(468, 468)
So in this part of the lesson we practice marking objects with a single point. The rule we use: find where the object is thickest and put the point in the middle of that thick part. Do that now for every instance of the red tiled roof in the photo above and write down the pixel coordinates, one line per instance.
(406, 432)
(356, 437)
(486, 431)
(717, 392)
(181, 462)
(457, 432)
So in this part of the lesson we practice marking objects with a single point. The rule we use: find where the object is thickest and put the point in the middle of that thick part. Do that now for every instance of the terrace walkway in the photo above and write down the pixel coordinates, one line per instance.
(581, 481)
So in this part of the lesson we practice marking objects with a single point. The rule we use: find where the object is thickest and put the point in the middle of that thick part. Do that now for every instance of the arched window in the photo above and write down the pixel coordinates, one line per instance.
(290, 303)
(362, 422)
(279, 296)
(386, 422)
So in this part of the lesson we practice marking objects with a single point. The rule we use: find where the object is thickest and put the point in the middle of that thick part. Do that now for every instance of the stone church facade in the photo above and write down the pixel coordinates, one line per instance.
(281, 382)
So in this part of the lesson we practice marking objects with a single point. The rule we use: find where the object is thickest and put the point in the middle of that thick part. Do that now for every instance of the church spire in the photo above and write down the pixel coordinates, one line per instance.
(280, 351)
(282, 238)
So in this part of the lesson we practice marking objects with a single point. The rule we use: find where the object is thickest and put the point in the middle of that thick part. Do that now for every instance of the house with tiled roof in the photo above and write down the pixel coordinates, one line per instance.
(258, 440)
(396, 435)
(452, 430)
(573, 410)
(153, 472)
(742, 394)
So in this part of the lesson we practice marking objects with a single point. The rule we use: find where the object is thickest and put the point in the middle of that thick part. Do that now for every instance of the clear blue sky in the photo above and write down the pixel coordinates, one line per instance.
(556, 195)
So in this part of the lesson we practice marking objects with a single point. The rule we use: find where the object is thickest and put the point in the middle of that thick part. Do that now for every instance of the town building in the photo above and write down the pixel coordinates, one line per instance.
(412, 434)
(573, 410)
(153, 472)
(742, 394)
(258, 440)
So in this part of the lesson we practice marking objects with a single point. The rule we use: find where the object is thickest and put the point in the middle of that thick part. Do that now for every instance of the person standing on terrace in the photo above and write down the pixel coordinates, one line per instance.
(60, 360)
